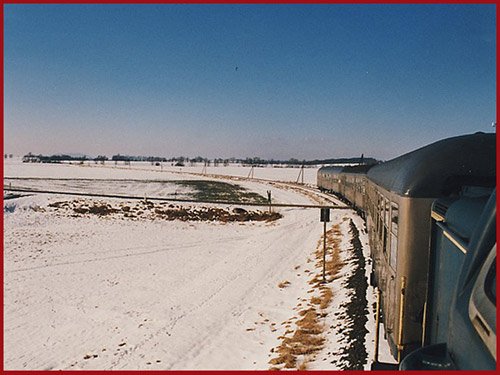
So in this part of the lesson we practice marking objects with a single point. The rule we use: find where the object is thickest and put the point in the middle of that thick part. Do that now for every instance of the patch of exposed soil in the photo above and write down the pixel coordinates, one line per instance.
(161, 211)
(220, 191)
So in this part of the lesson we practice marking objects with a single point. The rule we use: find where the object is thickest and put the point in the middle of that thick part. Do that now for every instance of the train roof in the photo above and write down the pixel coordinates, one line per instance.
(358, 169)
(441, 168)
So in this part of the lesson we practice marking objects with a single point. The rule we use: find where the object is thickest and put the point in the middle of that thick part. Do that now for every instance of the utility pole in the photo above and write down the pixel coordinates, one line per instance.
(251, 172)
(301, 174)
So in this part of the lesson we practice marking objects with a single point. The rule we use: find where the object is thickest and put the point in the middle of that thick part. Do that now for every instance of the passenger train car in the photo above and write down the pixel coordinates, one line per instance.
(348, 183)
(411, 243)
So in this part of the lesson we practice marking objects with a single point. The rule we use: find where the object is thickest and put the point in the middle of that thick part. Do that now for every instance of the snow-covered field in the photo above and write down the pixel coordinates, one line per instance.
(144, 170)
(107, 292)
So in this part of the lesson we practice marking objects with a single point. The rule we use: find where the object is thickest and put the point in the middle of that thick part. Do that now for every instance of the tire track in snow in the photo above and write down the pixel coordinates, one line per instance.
(222, 293)
(160, 249)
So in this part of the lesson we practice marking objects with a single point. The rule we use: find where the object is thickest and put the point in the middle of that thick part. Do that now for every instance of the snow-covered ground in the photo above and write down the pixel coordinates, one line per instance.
(109, 292)
(147, 170)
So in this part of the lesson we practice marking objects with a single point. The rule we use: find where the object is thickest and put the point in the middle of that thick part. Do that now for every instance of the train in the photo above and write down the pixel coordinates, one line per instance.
(430, 215)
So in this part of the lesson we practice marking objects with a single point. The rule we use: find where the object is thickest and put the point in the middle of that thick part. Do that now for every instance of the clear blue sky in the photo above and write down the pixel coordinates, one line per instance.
(273, 81)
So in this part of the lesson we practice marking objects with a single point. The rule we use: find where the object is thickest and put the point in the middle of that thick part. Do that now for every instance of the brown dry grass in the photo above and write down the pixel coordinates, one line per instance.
(326, 297)
(316, 300)
(302, 366)
(147, 210)
(283, 284)
(307, 338)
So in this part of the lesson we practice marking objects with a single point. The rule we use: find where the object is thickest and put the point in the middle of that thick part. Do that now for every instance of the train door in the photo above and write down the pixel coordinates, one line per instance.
(447, 253)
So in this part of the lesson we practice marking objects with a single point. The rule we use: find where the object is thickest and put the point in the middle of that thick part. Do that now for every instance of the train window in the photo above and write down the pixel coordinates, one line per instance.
(386, 226)
(394, 234)
(380, 208)
(380, 216)
(394, 218)
(384, 244)
(387, 213)
(394, 251)
(382, 203)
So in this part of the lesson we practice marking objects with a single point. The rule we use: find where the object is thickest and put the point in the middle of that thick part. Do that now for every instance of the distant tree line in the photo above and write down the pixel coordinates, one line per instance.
(31, 158)
(119, 157)
(184, 160)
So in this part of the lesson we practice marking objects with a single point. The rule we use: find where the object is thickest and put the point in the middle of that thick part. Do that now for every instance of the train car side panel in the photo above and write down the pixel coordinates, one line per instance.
(399, 246)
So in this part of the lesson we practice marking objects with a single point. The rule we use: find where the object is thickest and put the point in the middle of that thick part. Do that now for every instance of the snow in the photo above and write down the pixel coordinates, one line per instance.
(110, 293)
(145, 170)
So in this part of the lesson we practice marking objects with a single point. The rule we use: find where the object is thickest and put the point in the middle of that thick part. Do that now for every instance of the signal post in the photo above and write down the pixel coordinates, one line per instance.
(324, 217)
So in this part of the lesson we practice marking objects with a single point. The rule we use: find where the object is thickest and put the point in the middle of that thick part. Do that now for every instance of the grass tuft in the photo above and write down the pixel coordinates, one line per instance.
(283, 284)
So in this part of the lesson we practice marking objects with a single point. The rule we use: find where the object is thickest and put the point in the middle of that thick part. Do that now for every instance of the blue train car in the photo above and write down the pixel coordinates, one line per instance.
(460, 318)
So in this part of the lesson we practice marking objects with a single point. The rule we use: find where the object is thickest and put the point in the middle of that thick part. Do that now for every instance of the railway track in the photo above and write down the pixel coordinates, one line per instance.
(133, 197)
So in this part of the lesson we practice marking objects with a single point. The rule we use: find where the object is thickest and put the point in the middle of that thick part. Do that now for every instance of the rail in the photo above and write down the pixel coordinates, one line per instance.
(239, 203)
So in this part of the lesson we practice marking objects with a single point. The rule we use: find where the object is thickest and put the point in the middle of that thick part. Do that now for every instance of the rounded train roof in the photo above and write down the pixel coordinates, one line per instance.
(440, 168)
(332, 169)
(351, 169)
(357, 169)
